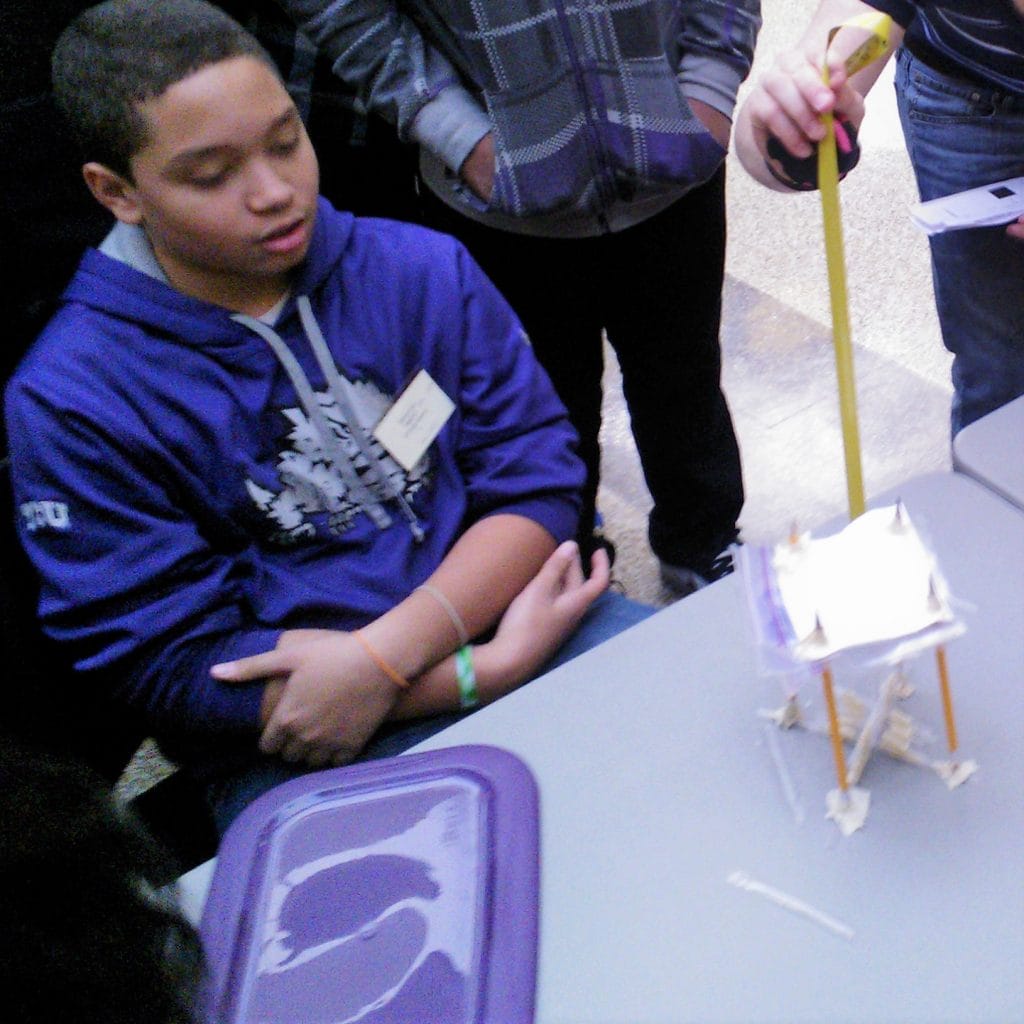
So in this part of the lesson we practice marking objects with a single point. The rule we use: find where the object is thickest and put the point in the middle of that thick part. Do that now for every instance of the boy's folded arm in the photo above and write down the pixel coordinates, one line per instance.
(128, 583)
(532, 628)
(325, 696)
(335, 689)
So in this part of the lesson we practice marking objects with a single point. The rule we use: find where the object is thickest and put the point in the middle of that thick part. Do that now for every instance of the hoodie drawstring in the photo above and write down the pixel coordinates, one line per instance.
(333, 448)
(341, 390)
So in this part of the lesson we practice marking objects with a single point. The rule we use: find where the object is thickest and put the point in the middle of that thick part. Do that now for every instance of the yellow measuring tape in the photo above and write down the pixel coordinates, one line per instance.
(877, 26)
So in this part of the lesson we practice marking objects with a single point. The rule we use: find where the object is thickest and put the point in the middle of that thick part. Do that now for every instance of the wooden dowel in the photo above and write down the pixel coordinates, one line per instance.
(833, 727)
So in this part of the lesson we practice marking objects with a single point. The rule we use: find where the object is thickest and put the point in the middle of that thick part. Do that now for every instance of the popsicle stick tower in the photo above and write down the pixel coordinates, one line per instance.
(869, 595)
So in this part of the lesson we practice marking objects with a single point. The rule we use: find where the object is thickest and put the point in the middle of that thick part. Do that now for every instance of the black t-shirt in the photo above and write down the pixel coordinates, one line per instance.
(984, 39)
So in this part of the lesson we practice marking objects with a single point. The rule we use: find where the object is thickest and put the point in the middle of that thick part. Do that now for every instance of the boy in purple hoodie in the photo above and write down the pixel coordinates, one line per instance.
(278, 466)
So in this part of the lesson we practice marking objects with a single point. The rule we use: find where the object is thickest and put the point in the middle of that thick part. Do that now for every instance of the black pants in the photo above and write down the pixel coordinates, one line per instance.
(656, 290)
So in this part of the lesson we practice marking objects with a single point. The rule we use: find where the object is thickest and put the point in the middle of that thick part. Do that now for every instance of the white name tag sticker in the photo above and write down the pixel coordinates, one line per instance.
(409, 427)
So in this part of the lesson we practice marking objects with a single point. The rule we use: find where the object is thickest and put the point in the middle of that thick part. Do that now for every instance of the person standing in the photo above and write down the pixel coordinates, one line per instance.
(960, 88)
(577, 151)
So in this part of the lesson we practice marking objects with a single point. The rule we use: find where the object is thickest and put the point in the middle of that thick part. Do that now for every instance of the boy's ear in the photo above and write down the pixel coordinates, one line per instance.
(113, 191)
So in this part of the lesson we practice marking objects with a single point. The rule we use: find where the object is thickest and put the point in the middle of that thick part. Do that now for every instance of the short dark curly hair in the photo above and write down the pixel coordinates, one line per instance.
(119, 54)
(85, 932)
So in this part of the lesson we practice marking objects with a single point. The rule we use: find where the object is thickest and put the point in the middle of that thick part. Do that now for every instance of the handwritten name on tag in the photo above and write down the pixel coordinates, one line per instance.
(409, 427)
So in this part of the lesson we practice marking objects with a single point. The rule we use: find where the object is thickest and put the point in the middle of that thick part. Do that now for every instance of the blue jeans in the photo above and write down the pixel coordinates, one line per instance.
(961, 136)
(229, 792)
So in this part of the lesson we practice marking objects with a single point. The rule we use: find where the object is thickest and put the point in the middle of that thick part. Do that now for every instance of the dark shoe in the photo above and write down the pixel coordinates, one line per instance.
(587, 548)
(684, 579)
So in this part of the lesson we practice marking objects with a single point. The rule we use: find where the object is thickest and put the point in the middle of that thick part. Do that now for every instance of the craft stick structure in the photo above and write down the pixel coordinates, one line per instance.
(869, 595)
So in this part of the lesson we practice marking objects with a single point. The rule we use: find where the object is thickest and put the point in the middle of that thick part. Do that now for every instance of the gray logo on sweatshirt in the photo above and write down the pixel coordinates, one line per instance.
(46, 515)
(313, 485)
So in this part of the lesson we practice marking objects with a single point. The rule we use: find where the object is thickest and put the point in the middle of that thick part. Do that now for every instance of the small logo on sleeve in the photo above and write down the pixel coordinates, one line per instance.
(46, 515)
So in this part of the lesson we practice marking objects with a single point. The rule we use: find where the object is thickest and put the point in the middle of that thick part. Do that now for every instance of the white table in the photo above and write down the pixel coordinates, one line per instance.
(657, 782)
(992, 451)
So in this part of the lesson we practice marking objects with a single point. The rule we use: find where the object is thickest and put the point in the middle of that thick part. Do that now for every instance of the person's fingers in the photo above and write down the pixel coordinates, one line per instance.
(273, 737)
(769, 120)
(600, 572)
(552, 574)
(594, 588)
(282, 733)
(273, 691)
(296, 747)
(573, 605)
(302, 637)
(1016, 229)
(294, 751)
(574, 601)
(850, 104)
(565, 554)
(835, 60)
(573, 576)
(780, 112)
(318, 756)
(258, 666)
(797, 86)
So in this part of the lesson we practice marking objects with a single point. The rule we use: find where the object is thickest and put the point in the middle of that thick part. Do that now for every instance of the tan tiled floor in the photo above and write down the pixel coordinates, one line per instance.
(779, 371)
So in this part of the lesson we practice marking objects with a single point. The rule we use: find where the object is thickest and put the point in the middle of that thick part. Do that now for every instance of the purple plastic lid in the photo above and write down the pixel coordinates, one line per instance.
(395, 891)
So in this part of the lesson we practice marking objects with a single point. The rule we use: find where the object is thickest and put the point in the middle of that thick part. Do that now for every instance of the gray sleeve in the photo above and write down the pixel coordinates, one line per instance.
(717, 42)
(381, 54)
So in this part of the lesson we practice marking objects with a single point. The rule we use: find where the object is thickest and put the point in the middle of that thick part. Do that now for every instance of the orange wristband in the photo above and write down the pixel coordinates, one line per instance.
(375, 657)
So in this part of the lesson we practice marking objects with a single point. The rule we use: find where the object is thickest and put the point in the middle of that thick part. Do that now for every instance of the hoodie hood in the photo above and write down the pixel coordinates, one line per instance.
(110, 285)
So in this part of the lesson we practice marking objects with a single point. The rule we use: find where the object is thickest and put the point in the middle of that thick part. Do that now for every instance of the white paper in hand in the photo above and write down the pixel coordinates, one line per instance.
(986, 206)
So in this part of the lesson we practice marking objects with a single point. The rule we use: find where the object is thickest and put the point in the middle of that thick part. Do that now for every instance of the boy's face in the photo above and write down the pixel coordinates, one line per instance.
(225, 186)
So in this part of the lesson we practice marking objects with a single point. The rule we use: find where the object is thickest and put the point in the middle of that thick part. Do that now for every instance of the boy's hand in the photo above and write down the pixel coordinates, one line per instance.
(790, 98)
(324, 698)
(717, 124)
(547, 610)
(477, 170)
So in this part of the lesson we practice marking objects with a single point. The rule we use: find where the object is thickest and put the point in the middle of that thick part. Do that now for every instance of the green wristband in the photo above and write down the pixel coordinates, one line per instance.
(468, 696)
